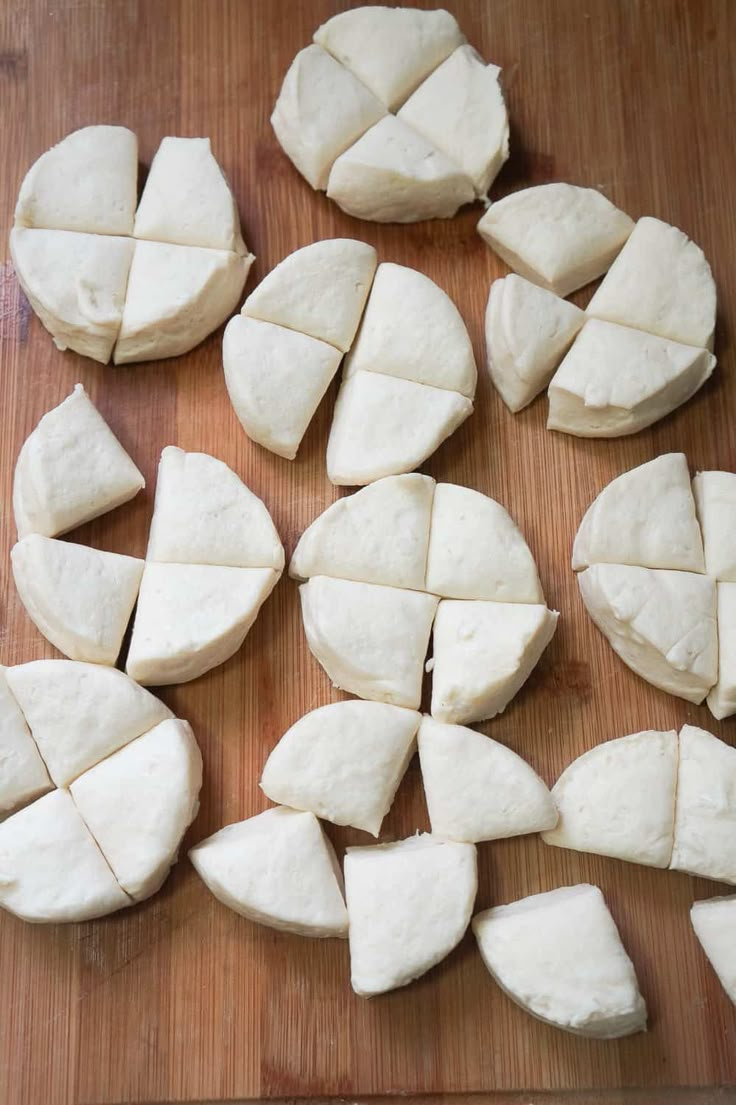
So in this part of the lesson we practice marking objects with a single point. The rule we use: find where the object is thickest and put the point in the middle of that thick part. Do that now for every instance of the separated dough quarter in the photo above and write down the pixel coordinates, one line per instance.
(713, 922)
(715, 499)
(23, 774)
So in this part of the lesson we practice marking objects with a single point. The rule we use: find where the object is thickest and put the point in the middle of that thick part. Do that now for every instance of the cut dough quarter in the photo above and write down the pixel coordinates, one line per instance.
(714, 922)
(715, 498)
(705, 816)
(722, 697)
(23, 774)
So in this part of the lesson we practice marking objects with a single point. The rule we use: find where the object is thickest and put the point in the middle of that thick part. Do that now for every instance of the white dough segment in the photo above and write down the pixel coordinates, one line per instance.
(715, 500)
(722, 696)
(23, 774)
(705, 816)
(714, 922)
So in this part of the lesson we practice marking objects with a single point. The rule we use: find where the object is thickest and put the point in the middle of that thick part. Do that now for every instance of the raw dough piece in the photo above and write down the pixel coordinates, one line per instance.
(705, 816)
(559, 956)
(722, 697)
(23, 774)
(278, 869)
(343, 762)
(409, 904)
(714, 922)
(81, 599)
(371, 640)
(559, 236)
(477, 789)
(715, 500)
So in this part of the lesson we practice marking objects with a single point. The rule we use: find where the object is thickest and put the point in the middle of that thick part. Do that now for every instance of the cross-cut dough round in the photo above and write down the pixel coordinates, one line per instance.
(23, 774)
(81, 599)
(618, 799)
(278, 869)
(343, 762)
(722, 696)
(715, 500)
(559, 236)
(705, 816)
(476, 788)
(70, 469)
(409, 904)
(559, 956)
(714, 922)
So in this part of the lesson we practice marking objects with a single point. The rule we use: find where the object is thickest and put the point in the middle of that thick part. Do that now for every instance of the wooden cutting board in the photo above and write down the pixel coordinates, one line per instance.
(179, 999)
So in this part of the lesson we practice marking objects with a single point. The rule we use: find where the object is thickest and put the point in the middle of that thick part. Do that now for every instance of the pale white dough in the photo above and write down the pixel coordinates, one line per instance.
(705, 815)
(722, 697)
(714, 922)
(715, 500)
(23, 774)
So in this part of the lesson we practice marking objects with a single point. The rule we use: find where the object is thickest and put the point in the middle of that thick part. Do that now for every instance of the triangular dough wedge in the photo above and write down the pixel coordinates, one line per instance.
(70, 469)
(413, 330)
(139, 802)
(643, 517)
(528, 330)
(370, 640)
(661, 623)
(394, 175)
(319, 290)
(177, 295)
(278, 869)
(81, 599)
(204, 514)
(87, 182)
(722, 697)
(484, 652)
(705, 815)
(343, 762)
(476, 788)
(187, 200)
(51, 869)
(390, 50)
(193, 617)
(409, 904)
(379, 534)
(80, 713)
(715, 500)
(383, 426)
(559, 956)
(559, 236)
(618, 799)
(23, 774)
(476, 550)
(714, 922)
(661, 283)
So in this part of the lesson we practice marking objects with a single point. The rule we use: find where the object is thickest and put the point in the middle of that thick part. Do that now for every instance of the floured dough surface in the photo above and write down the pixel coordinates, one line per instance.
(23, 774)
(705, 819)
(714, 922)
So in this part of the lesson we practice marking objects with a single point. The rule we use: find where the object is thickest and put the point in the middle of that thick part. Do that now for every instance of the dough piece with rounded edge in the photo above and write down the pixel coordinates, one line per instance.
(484, 652)
(409, 904)
(51, 869)
(560, 236)
(560, 957)
(70, 468)
(644, 517)
(616, 380)
(715, 502)
(321, 110)
(187, 200)
(193, 617)
(722, 697)
(661, 623)
(204, 514)
(528, 330)
(319, 290)
(714, 922)
(372, 641)
(278, 869)
(383, 426)
(81, 599)
(343, 762)
(390, 50)
(476, 550)
(460, 109)
(476, 788)
(23, 774)
(139, 802)
(87, 182)
(379, 534)
(661, 283)
(411, 329)
(177, 295)
(618, 799)
(76, 285)
(394, 175)
(705, 814)
(80, 713)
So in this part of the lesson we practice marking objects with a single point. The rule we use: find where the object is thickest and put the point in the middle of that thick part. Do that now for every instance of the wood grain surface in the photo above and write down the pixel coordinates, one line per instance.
(179, 999)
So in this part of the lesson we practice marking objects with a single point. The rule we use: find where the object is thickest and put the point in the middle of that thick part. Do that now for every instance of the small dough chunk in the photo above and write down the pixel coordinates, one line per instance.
(559, 236)
(705, 815)
(87, 182)
(484, 652)
(70, 469)
(193, 617)
(139, 802)
(371, 640)
(476, 788)
(661, 283)
(23, 774)
(661, 623)
(618, 799)
(722, 697)
(714, 922)
(343, 762)
(278, 869)
(409, 904)
(528, 331)
(715, 501)
(560, 957)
